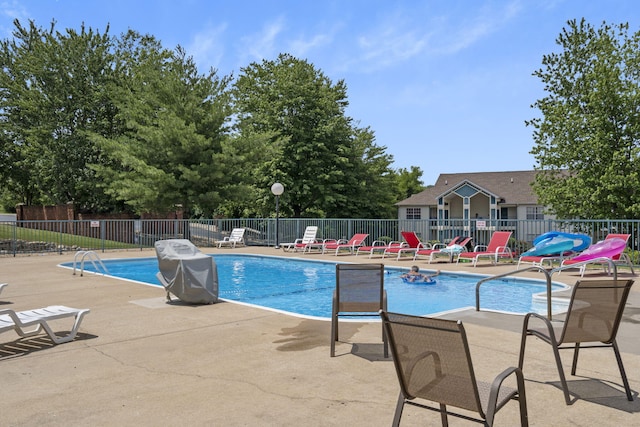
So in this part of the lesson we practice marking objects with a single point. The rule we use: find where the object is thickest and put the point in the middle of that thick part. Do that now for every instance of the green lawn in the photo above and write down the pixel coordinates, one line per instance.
(10, 232)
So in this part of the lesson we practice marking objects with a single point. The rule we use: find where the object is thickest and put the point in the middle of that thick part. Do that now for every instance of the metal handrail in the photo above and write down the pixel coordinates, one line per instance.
(511, 273)
(548, 274)
(93, 257)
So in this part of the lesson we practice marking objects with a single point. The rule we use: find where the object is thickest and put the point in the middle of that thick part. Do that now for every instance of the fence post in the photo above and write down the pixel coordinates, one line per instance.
(103, 240)
(60, 237)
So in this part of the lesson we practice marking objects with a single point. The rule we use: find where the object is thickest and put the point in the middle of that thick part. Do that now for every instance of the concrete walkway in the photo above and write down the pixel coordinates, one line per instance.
(139, 361)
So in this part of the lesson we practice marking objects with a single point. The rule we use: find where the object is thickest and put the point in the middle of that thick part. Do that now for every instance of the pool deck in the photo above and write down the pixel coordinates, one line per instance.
(139, 361)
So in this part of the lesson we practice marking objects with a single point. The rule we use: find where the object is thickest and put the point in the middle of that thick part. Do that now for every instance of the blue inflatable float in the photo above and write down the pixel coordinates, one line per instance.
(555, 242)
(419, 280)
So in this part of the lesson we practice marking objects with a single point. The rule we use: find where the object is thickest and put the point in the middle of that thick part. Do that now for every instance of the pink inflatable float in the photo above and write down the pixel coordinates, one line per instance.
(607, 248)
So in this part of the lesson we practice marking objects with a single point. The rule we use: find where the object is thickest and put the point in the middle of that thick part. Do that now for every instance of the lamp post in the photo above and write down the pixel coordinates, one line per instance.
(277, 189)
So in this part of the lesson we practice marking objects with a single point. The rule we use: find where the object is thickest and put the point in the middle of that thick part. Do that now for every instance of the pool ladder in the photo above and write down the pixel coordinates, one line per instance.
(91, 256)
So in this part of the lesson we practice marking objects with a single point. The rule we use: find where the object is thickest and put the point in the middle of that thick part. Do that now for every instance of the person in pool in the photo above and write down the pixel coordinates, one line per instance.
(414, 275)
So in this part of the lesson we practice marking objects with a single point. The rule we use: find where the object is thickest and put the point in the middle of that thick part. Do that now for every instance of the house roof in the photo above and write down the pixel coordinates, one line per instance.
(514, 187)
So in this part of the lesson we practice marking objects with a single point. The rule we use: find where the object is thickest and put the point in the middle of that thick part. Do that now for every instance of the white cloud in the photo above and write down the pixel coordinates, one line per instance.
(392, 45)
(301, 47)
(260, 46)
(400, 37)
(12, 10)
(487, 21)
(404, 36)
(207, 48)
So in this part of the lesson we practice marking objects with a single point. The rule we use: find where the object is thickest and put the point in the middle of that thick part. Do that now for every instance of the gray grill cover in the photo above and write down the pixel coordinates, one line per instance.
(186, 272)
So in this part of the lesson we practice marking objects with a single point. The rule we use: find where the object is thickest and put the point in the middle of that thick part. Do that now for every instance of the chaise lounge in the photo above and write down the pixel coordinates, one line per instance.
(308, 238)
(378, 247)
(457, 245)
(496, 249)
(412, 245)
(350, 246)
(235, 238)
(39, 318)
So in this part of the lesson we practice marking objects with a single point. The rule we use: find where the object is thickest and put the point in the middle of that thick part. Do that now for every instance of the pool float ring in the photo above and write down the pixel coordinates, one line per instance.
(421, 281)
(580, 241)
(607, 248)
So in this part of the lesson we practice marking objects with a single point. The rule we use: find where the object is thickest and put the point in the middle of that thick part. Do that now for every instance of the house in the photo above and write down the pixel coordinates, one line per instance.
(462, 203)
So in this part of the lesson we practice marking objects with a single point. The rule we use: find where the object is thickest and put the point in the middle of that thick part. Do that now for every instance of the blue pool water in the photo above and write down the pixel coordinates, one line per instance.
(306, 287)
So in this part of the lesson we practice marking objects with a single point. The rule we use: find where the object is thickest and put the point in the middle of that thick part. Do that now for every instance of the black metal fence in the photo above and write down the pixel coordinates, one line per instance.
(19, 237)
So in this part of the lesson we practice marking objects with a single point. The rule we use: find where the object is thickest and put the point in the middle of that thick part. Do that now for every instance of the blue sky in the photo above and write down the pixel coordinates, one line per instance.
(445, 85)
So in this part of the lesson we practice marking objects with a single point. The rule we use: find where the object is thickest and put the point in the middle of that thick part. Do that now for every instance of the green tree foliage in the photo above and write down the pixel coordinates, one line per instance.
(123, 124)
(409, 182)
(172, 120)
(110, 124)
(587, 138)
(52, 93)
(328, 166)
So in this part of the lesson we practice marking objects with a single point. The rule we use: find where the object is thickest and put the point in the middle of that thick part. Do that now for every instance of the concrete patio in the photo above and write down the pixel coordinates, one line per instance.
(141, 361)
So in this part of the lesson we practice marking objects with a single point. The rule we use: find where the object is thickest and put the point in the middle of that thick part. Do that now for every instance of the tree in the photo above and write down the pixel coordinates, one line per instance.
(587, 138)
(308, 142)
(110, 124)
(368, 179)
(409, 182)
(168, 151)
(53, 92)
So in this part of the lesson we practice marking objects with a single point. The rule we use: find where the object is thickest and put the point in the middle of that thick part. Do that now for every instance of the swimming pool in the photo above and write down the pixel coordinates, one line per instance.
(305, 287)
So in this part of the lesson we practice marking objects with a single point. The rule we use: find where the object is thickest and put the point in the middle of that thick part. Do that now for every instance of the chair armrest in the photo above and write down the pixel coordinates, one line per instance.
(503, 250)
(550, 337)
(492, 404)
(479, 248)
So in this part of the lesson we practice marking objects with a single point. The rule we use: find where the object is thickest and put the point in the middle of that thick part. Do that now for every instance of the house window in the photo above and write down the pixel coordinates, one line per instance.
(535, 212)
(413, 213)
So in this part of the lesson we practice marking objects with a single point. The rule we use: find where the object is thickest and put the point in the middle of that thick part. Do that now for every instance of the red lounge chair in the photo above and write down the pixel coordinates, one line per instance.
(622, 258)
(437, 249)
(377, 246)
(496, 249)
(342, 245)
(541, 260)
(412, 244)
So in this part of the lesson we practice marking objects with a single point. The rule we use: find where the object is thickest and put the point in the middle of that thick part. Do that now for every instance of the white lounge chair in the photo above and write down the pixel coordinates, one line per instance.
(235, 238)
(20, 320)
(2, 286)
(308, 237)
